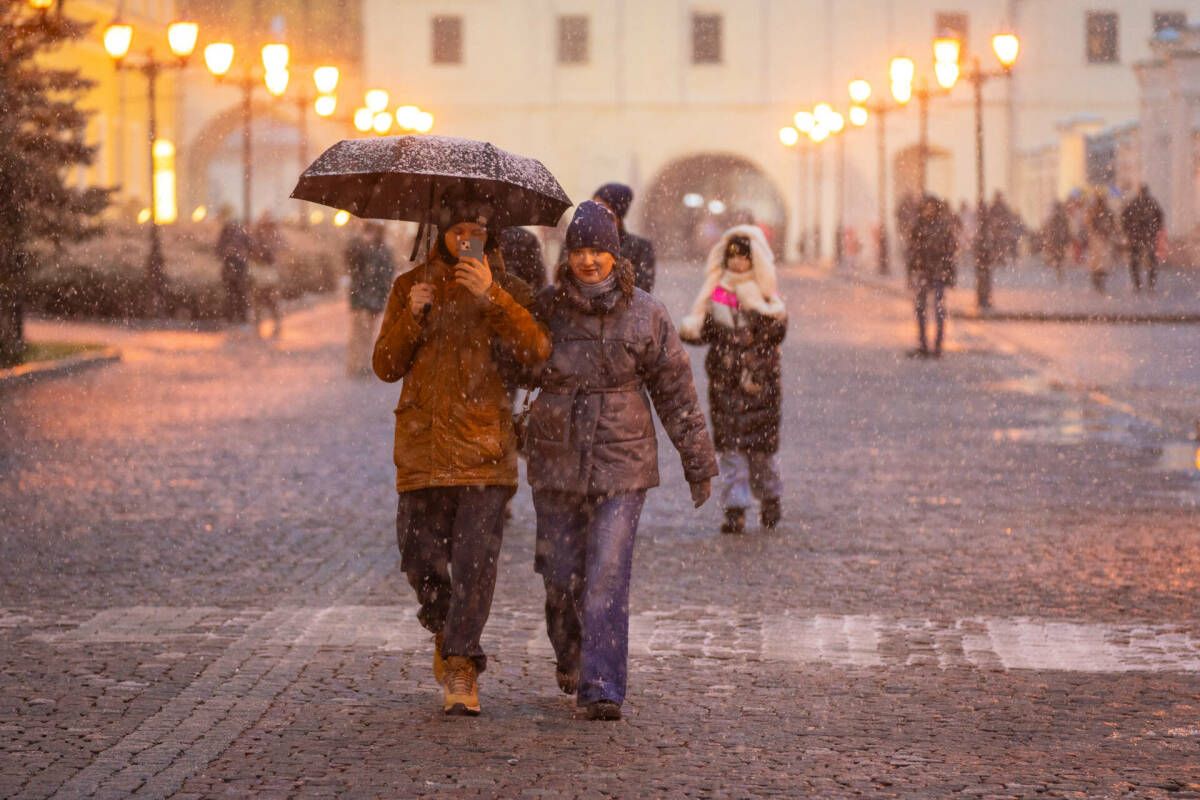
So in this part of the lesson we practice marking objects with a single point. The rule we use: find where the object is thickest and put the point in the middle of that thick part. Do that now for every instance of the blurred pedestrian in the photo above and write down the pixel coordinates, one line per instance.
(593, 453)
(741, 317)
(455, 451)
(233, 248)
(1101, 227)
(988, 245)
(523, 256)
(1142, 220)
(617, 198)
(1056, 239)
(934, 247)
(266, 244)
(371, 267)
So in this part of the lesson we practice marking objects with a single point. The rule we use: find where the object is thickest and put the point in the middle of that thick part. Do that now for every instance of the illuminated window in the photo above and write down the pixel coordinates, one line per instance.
(706, 38)
(1102, 37)
(1169, 21)
(447, 40)
(572, 39)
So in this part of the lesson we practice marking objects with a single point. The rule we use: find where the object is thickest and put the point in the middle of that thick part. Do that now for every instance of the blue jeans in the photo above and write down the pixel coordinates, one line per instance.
(746, 475)
(585, 557)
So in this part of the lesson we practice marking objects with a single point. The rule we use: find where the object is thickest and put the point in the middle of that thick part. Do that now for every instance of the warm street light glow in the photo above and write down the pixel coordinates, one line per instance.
(325, 105)
(424, 122)
(275, 57)
(376, 100)
(316, 217)
(181, 36)
(1006, 47)
(858, 116)
(382, 122)
(364, 119)
(822, 112)
(200, 213)
(789, 136)
(860, 91)
(902, 70)
(165, 209)
(946, 50)
(819, 133)
(804, 121)
(836, 122)
(341, 218)
(117, 39)
(276, 82)
(947, 73)
(326, 79)
(407, 117)
(143, 216)
(902, 92)
(218, 57)
(41, 5)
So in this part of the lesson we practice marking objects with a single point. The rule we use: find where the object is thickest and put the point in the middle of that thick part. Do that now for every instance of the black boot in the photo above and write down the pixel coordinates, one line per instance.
(772, 512)
(735, 521)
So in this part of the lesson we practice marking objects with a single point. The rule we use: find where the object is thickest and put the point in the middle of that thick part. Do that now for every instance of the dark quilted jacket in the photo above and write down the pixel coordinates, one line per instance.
(590, 429)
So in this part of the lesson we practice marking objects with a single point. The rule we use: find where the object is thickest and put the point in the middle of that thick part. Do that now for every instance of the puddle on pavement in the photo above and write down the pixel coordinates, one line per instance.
(1033, 385)
(1179, 457)
(1073, 427)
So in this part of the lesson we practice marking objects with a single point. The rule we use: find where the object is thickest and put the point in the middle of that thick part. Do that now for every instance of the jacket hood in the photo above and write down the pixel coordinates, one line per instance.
(760, 294)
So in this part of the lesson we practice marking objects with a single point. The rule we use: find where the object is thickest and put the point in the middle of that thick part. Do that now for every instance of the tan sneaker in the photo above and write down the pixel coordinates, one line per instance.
(439, 663)
(461, 687)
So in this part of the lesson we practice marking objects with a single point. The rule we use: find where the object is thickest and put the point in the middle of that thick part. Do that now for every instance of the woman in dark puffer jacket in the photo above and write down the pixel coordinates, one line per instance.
(593, 452)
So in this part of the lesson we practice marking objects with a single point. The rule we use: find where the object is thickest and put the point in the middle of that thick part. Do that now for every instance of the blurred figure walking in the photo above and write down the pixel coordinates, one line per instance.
(1141, 220)
(933, 246)
(267, 242)
(1056, 238)
(523, 256)
(1101, 227)
(639, 251)
(371, 267)
(234, 247)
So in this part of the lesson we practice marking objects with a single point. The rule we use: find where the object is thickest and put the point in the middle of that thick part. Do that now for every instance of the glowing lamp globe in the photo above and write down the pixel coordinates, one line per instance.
(117, 39)
(181, 36)
(218, 57)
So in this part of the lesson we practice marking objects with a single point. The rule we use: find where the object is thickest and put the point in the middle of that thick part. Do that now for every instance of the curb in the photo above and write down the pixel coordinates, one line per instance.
(37, 370)
(1068, 317)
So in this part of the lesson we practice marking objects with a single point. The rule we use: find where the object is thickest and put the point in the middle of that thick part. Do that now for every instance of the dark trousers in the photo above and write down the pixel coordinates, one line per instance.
(585, 557)
(924, 287)
(449, 541)
(1142, 252)
(983, 284)
(236, 278)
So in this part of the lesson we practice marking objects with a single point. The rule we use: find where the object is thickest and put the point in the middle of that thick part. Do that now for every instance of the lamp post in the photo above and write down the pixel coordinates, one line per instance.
(818, 135)
(181, 38)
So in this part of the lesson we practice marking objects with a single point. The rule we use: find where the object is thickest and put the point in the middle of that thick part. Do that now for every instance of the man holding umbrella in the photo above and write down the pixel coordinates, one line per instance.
(448, 324)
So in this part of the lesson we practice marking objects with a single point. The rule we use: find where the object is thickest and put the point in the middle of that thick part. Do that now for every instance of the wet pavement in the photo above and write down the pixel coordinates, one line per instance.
(984, 586)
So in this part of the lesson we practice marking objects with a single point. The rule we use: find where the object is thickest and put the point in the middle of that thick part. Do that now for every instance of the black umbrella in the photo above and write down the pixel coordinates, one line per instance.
(412, 177)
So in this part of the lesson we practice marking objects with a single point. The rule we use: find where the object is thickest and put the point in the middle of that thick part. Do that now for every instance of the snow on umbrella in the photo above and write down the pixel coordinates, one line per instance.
(409, 177)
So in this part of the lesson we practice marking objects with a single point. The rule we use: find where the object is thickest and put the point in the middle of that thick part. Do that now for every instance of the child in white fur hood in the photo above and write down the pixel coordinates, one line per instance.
(742, 318)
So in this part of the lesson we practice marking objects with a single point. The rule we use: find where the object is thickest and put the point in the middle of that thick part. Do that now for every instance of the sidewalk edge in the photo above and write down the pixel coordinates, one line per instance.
(37, 370)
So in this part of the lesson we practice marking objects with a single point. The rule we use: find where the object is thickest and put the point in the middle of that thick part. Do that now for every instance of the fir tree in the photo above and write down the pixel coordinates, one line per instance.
(42, 137)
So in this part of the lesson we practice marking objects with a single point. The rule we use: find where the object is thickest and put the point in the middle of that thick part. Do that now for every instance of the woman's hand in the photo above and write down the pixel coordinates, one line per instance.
(701, 491)
(474, 275)
(420, 298)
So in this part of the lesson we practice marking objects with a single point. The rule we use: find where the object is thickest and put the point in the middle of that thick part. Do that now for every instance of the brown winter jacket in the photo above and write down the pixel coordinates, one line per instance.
(590, 429)
(454, 420)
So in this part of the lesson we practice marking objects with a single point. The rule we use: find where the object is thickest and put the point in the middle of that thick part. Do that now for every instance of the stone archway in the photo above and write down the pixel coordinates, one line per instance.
(213, 162)
(693, 199)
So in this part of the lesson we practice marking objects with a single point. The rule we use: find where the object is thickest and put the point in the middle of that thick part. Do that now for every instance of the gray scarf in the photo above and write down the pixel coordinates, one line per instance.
(594, 290)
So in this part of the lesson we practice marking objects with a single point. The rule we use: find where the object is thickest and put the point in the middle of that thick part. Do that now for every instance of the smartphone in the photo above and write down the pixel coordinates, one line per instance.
(472, 247)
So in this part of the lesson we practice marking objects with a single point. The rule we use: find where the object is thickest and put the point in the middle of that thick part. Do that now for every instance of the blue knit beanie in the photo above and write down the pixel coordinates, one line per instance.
(594, 226)
(616, 196)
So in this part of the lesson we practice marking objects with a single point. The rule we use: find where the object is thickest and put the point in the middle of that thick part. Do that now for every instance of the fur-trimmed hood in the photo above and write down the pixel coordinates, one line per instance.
(757, 291)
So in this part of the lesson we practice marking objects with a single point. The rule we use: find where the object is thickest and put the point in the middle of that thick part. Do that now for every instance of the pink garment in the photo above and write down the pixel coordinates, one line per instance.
(725, 297)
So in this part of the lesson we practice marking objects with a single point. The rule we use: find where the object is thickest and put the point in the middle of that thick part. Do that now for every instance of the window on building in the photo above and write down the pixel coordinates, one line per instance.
(706, 38)
(1169, 21)
(447, 39)
(1102, 37)
(572, 39)
(952, 24)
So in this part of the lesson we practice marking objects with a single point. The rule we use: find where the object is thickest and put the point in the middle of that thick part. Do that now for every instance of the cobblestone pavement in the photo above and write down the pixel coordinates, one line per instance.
(199, 594)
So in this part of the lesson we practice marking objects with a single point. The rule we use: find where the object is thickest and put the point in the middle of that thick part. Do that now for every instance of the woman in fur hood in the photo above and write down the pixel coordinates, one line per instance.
(742, 318)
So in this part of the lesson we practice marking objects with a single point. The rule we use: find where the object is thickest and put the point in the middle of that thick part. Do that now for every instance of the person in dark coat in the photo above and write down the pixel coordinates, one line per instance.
(739, 314)
(639, 251)
(371, 266)
(1056, 238)
(933, 245)
(523, 256)
(593, 452)
(1142, 220)
(234, 248)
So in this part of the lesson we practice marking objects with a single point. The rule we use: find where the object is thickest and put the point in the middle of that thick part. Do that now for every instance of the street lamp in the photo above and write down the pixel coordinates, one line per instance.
(791, 137)
(181, 39)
